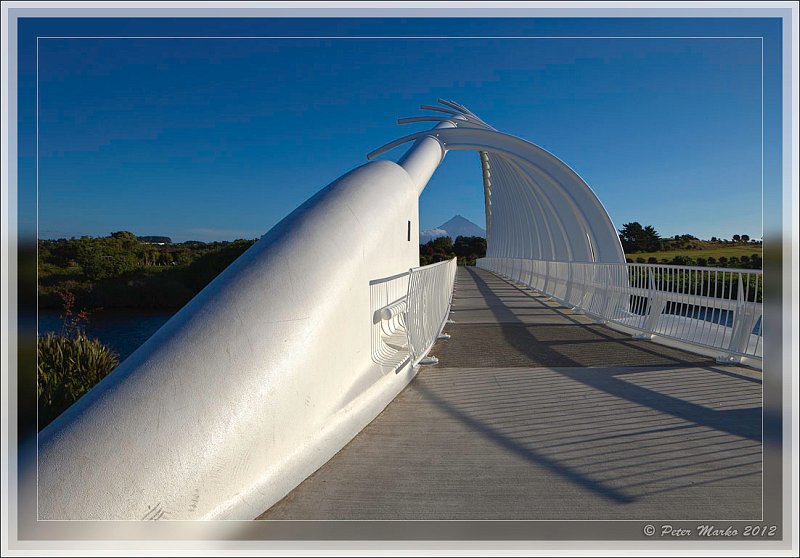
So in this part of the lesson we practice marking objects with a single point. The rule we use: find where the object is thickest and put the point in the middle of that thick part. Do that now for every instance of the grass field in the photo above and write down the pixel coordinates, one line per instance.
(715, 251)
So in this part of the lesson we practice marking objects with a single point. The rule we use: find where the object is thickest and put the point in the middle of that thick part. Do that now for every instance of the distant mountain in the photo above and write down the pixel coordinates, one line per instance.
(455, 227)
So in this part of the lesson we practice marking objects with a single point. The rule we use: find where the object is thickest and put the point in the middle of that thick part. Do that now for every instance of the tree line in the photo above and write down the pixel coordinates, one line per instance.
(125, 271)
(466, 248)
(636, 238)
(122, 271)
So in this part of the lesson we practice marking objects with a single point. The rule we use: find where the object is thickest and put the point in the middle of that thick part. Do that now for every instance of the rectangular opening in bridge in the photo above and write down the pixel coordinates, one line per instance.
(409, 231)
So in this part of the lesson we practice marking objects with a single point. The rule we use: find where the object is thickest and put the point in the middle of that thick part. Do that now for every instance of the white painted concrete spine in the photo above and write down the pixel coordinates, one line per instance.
(255, 383)
(426, 155)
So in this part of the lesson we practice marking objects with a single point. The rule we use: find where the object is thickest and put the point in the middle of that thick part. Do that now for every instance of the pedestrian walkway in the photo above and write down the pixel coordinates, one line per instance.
(535, 412)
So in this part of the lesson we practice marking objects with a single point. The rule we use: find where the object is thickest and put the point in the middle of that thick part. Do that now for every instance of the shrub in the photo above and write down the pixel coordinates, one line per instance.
(682, 260)
(68, 367)
(652, 260)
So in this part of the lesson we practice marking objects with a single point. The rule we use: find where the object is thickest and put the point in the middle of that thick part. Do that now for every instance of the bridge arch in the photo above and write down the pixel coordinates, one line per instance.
(537, 206)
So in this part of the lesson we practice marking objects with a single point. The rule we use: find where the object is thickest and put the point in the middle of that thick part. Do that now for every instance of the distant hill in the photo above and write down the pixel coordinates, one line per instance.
(155, 239)
(455, 227)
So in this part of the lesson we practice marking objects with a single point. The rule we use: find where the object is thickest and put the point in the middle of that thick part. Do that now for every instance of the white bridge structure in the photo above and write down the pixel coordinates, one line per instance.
(296, 347)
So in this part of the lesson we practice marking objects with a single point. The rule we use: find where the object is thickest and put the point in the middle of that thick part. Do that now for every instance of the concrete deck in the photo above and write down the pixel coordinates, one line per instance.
(535, 412)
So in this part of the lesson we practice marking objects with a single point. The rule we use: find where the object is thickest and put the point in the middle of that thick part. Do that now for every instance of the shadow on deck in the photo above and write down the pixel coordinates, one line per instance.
(535, 412)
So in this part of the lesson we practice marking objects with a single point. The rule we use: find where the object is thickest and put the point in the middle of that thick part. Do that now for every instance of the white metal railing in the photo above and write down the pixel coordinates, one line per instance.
(387, 302)
(430, 292)
(713, 308)
(409, 311)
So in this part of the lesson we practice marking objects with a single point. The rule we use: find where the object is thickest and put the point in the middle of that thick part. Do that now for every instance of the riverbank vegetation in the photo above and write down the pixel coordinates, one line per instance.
(69, 363)
(123, 271)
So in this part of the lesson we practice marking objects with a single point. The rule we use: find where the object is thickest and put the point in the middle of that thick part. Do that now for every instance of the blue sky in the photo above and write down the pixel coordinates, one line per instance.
(217, 139)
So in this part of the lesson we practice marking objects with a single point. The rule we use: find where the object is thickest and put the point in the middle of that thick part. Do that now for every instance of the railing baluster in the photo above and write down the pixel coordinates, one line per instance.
(698, 305)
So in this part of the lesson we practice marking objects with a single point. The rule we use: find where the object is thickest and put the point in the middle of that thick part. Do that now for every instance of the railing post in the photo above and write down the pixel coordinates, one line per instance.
(656, 302)
(744, 319)
(588, 287)
(530, 273)
(569, 287)
(610, 294)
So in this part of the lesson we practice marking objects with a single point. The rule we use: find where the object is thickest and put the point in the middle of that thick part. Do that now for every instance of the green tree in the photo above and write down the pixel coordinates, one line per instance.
(469, 248)
(443, 244)
(125, 236)
(631, 235)
(737, 238)
(438, 249)
(745, 238)
(636, 238)
(652, 240)
(104, 258)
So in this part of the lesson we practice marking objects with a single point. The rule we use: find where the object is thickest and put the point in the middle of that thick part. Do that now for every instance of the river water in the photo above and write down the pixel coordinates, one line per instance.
(122, 330)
